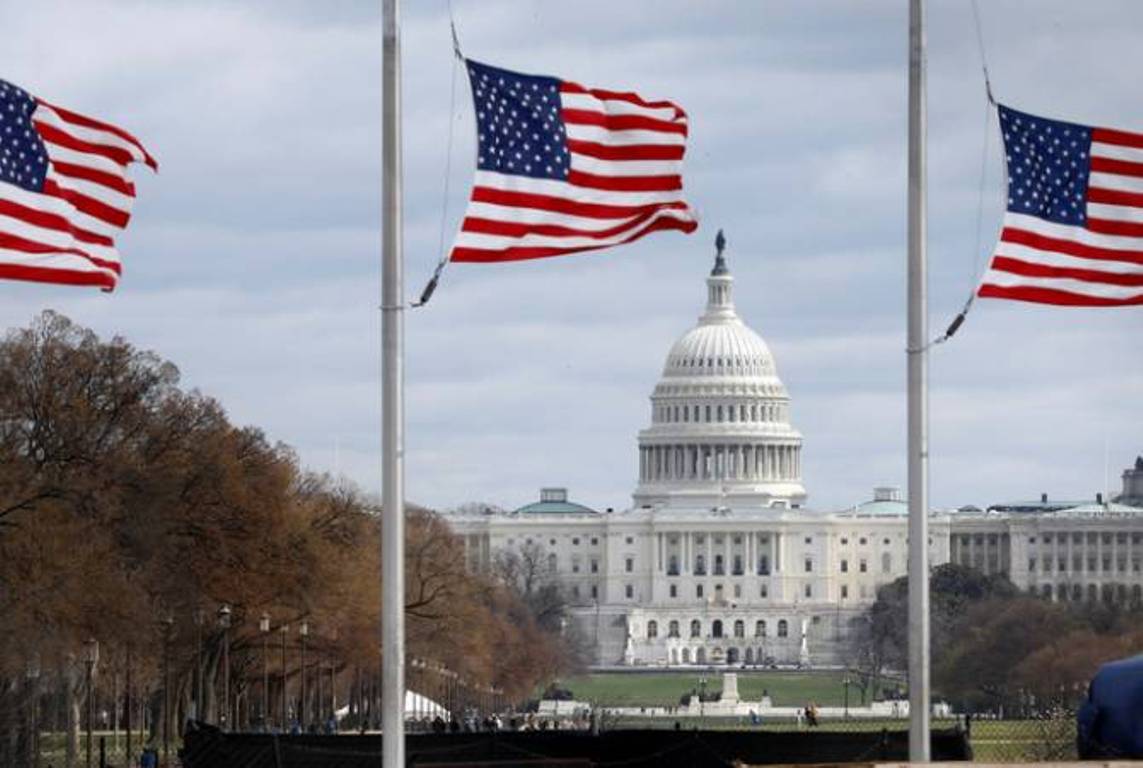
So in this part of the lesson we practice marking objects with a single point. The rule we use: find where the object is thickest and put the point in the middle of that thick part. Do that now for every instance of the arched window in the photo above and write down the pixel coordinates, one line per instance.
(719, 414)
(700, 565)
(749, 656)
(716, 628)
(700, 656)
(718, 566)
(760, 628)
(652, 629)
(783, 628)
(673, 629)
(696, 628)
(686, 655)
(763, 565)
(886, 562)
(740, 628)
(673, 565)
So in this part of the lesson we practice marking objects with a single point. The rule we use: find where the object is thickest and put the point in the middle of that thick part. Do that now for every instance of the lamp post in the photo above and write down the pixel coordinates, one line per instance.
(264, 628)
(90, 658)
(304, 631)
(32, 679)
(167, 623)
(285, 722)
(199, 685)
(129, 705)
(702, 701)
(845, 682)
(224, 624)
(319, 702)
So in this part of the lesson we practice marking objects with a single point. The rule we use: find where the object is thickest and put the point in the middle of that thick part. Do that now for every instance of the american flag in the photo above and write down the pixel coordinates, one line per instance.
(562, 168)
(64, 192)
(1073, 231)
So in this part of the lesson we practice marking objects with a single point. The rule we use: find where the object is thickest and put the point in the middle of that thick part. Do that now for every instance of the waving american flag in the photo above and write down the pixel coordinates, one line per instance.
(1073, 231)
(562, 168)
(64, 192)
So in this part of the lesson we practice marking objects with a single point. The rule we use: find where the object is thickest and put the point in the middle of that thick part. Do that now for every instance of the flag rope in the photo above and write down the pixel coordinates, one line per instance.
(976, 274)
(458, 58)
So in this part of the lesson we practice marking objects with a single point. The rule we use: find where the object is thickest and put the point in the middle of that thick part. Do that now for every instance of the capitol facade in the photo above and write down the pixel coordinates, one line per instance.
(719, 560)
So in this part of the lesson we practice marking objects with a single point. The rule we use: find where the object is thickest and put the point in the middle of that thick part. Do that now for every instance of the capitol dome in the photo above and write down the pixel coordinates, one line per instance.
(720, 429)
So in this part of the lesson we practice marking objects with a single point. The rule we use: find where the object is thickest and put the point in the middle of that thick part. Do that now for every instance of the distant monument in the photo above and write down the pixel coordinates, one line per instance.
(804, 651)
(729, 695)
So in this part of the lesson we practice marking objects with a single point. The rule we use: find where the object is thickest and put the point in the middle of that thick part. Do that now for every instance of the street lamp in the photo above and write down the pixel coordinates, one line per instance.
(90, 658)
(319, 702)
(224, 624)
(32, 677)
(304, 631)
(845, 682)
(199, 685)
(702, 701)
(167, 623)
(264, 628)
(285, 723)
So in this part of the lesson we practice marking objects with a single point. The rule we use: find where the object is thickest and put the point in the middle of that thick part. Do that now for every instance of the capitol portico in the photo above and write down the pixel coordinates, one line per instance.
(718, 560)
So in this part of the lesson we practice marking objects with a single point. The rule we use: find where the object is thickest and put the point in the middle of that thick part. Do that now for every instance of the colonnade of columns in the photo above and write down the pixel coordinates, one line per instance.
(660, 463)
(757, 550)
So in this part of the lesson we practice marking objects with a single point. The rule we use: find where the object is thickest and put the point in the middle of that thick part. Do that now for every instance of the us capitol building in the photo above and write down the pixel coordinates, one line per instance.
(719, 561)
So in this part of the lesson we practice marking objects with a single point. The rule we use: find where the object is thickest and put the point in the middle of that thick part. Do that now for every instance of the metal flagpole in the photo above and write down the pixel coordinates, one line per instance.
(392, 400)
(918, 445)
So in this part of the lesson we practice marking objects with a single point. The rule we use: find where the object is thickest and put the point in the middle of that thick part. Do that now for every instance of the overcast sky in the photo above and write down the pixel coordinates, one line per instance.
(253, 259)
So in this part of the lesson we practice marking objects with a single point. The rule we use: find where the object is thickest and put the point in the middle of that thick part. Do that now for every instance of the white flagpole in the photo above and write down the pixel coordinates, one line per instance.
(918, 400)
(392, 400)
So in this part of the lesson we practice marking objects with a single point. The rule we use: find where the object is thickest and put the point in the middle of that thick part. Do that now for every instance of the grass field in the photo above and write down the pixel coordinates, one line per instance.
(643, 689)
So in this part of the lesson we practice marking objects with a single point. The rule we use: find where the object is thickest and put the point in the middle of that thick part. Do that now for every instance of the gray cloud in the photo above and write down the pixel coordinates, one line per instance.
(253, 261)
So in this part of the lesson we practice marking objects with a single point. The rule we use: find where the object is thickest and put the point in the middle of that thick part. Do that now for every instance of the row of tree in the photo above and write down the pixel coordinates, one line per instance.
(993, 647)
(132, 511)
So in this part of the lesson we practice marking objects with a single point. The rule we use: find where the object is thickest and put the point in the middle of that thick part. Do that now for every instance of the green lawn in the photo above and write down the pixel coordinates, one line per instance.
(639, 689)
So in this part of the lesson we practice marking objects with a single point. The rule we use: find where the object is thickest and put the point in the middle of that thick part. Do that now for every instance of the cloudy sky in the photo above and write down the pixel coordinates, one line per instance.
(253, 259)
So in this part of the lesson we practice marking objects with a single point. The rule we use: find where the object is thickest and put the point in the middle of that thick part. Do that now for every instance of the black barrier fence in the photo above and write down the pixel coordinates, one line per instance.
(206, 747)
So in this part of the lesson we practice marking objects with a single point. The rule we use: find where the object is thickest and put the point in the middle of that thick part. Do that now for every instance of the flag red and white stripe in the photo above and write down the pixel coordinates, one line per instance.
(63, 230)
(1089, 252)
(623, 177)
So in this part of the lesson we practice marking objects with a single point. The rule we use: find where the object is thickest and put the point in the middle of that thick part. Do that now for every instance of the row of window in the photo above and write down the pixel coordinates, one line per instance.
(719, 569)
(1090, 537)
(716, 628)
(763, 591)
(1078, 563)
(713, 362)
(553, 564)
(575, 541)
(763, 568)
(718, 414)
(1108, 593)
